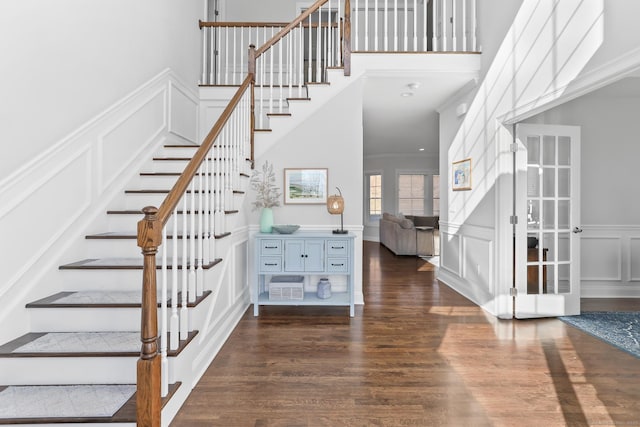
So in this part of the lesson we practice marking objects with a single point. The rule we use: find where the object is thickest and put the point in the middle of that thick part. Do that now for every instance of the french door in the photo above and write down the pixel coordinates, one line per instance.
(547, 237)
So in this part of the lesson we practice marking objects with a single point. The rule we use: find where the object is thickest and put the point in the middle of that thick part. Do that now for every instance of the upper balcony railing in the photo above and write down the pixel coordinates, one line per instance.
(376, 26)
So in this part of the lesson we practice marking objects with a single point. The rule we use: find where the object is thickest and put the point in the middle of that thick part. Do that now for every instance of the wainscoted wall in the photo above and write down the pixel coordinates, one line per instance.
(467, 262)
(610, 261)
(51, 201)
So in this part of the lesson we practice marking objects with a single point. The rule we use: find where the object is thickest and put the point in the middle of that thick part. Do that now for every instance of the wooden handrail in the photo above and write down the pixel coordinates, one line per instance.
(180, 187)
(258, 24)
(304, 15)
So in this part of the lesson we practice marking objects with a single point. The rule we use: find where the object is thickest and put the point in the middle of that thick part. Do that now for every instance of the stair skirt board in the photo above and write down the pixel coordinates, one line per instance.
(122, 264)
(64, 401)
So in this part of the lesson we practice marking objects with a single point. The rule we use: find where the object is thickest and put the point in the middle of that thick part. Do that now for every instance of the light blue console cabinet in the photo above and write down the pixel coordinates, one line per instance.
(306, 254)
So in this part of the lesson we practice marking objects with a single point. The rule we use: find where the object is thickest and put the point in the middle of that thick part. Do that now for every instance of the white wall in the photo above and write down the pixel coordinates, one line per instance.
(610, 212)
(261, 11)
(546, 48)
(67, 61)
(390, 166)
(331, 138)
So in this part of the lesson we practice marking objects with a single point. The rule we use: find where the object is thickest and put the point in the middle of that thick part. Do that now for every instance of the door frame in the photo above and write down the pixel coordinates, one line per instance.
(545, 304)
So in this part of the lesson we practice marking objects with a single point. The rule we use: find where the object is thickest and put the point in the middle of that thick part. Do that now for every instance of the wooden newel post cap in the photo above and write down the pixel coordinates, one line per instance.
(149, 229)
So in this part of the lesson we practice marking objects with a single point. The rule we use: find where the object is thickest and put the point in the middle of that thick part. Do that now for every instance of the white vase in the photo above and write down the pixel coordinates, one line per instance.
(266, 220)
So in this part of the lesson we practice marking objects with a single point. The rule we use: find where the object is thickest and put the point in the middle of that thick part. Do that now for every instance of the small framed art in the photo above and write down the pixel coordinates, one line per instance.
(461, 175)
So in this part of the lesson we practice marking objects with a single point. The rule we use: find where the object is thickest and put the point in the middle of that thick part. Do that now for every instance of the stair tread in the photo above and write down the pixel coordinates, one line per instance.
(157, 174)
(80, 344)
(139, 212)
(102, 299)
(132, 235)
(40, 404)
(122, 264)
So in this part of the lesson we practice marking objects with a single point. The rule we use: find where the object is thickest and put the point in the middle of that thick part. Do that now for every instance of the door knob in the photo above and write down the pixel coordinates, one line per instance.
(577, 230)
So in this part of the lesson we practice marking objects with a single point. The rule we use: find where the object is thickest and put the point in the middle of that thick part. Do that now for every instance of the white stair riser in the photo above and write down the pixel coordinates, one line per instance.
(128, 222)
(85, 319)
(109, 248)
(101, 319)
(68, 370)
(114, 280)
(177, 151)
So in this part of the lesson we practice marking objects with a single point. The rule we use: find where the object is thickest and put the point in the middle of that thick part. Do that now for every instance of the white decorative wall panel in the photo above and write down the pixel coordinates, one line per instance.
(52, 207)
(129, 136)
(601, 258)
(183, 107)
(450, 255)
(477, 256)
(634, 259)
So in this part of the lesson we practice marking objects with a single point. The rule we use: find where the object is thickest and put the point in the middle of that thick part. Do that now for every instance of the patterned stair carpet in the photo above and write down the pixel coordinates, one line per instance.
(63, 401)
(83, 342)
(620, 329)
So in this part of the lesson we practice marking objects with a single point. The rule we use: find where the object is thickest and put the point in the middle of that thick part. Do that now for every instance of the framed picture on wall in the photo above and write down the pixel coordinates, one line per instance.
(306, 186)
(461, 175)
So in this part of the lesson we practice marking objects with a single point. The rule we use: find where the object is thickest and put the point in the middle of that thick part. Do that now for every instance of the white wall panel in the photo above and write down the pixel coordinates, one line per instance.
(450, 252)
(634, 259)
(478, 265)
(132, 133)
(62, 196)
(183, 114)
(601, 258)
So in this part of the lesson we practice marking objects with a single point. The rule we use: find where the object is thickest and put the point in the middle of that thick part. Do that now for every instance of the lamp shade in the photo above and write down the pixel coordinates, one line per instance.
(335, 204)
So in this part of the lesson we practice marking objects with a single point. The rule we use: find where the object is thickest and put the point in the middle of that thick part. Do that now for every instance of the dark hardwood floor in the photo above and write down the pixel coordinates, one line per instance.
(417, 354)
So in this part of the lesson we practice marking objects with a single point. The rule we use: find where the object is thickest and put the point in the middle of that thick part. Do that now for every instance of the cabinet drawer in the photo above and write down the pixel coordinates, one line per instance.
(337, 247)
(270, 264)
(270, 247)
(337, 265)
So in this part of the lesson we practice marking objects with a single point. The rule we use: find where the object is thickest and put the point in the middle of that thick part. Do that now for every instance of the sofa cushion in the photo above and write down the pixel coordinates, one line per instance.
(406, 223)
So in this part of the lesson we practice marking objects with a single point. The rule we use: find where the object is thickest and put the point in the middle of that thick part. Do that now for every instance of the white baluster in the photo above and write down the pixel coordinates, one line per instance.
(339, 35)
(395, 26)
(260, 62)
(454, 38)
(205, 60)
(215, 55)
(205, 214)
(386, 26)
(226, 56)
(290, 48)
(200, 241)
(415, 25)
(280, 74)
(301, 59)
(310, 61)
(212, 55)
(355, 26)
(163, 318)
(270, 51)
(192, 240)
(434, 40)
(426, 26)
(444, 25)
(405, 38)
(375, 25)
(174, 324)
(329, 37)
(210, 213)
(184, 325)
(243, 54)
(366, 25)
(319, 48)
(235, 49)
(464, 26)
(474, 28)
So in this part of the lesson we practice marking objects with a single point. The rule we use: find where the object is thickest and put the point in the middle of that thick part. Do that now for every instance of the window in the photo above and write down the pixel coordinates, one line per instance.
(436, 195)
(375, 196)
(411, 194)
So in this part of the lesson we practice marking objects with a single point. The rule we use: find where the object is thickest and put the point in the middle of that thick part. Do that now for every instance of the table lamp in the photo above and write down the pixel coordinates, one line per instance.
(335, 205)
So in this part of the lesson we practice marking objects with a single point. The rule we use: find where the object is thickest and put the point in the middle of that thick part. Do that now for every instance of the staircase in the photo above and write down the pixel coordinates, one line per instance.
(79, 362)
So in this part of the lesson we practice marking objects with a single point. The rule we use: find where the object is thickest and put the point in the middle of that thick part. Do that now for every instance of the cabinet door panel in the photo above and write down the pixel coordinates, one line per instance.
(314, 255)
(294, 255)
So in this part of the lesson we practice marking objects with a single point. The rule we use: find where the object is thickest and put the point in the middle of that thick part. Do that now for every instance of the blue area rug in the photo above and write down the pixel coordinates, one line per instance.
(620, 329)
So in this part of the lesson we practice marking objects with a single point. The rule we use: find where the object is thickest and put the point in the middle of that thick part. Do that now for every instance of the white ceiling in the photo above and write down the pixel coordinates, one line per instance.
(394, 124)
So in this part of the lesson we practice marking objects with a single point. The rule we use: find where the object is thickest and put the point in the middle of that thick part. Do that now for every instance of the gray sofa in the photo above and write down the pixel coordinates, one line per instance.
(399, 234)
